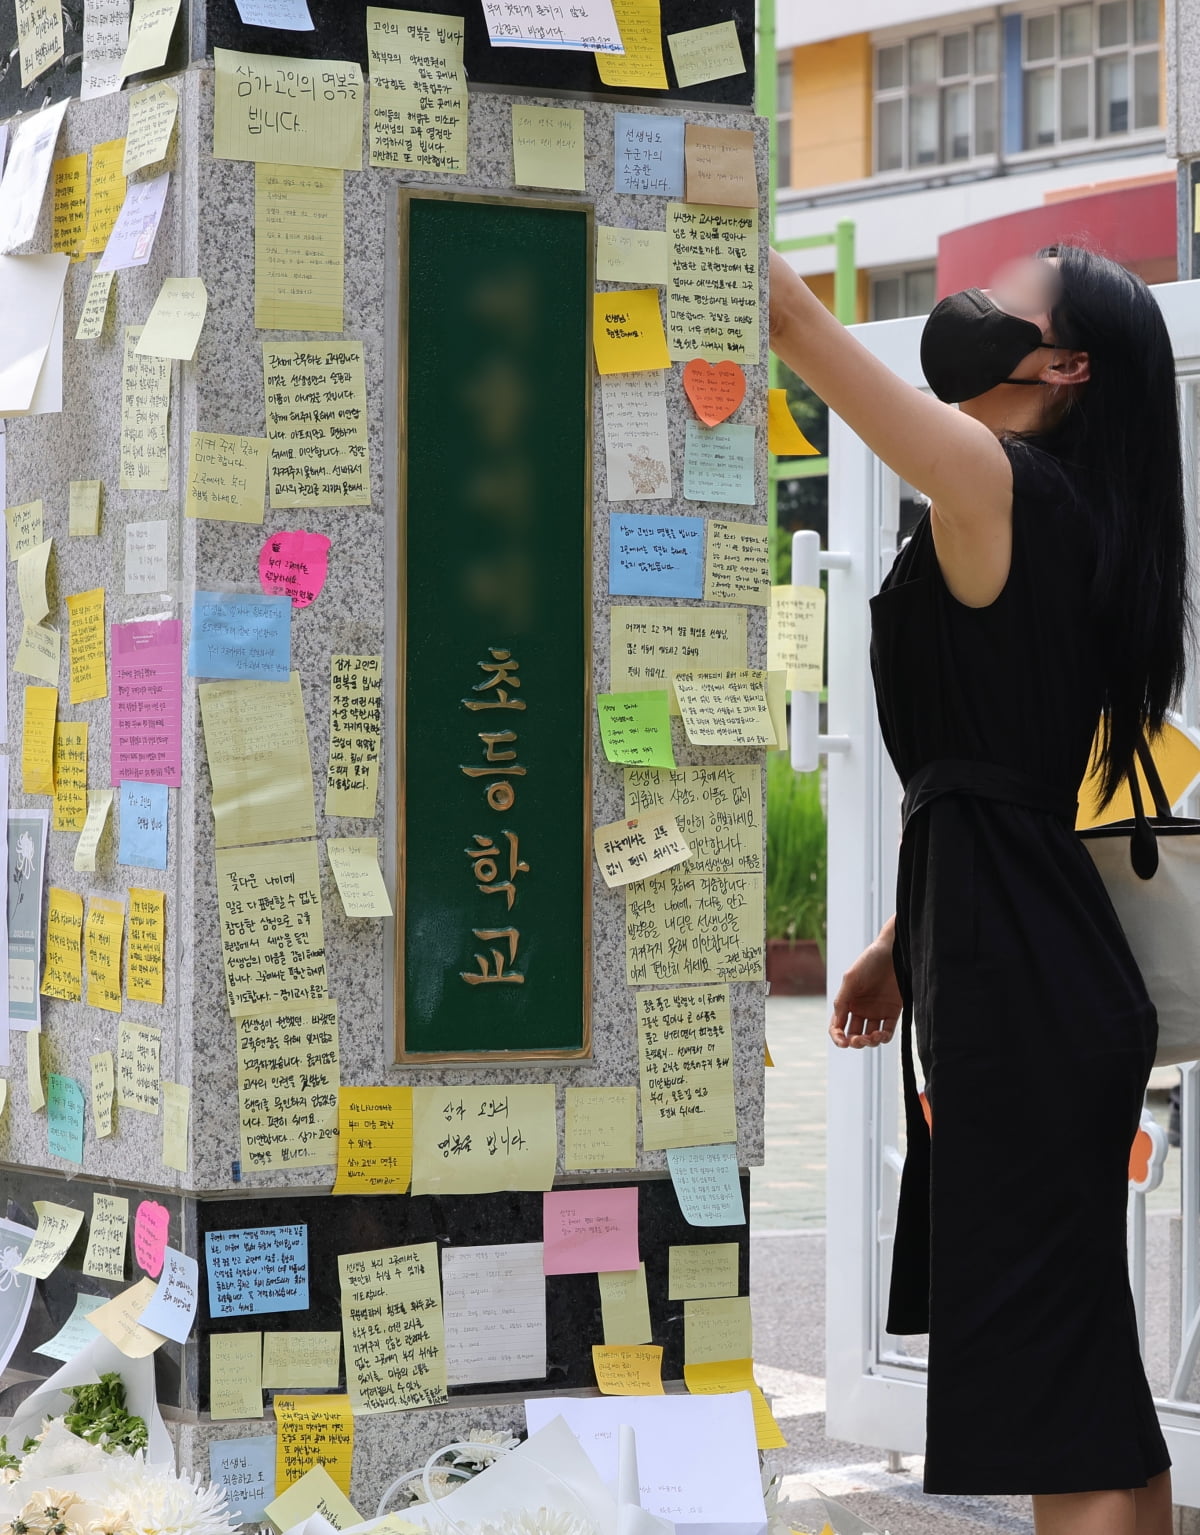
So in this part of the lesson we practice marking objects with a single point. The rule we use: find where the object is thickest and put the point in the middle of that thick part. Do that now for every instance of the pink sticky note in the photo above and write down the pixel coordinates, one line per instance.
(294, 565)
(147, 702)
(590, 1231)
(151, 1226)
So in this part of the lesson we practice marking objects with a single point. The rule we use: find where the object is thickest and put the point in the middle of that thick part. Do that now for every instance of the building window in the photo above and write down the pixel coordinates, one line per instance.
(897, 294)
(1091, 71)
(936, 98)
(783, 123)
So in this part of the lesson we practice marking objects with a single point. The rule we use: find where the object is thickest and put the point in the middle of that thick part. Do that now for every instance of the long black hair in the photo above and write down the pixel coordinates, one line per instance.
(1120, 438)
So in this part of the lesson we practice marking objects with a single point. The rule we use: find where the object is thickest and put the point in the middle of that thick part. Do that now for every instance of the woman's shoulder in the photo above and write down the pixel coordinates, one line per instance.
(1040, 474)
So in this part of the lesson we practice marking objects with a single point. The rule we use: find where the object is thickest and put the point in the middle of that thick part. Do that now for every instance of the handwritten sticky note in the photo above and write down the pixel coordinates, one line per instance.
(355, 727)
(120, 1321)
(56, 1229)
(145, 405)
(685, 1054)
(714, 1330)
(706, 53)
(418, 118)
(625, 1307)
(719, 810)
(39, 37)
(736, 1375)
(95, 309)
(647, 154)
(69, 180)
(104, 1087)
(636, 848)
(482, 1140)
(245, 1468)
(150, 28)
(147, 707)
(258, 949)
(636, 727)
(152, 115)
(628, 1371)
(147, 937)
(70, 775)
(703, 1271)
(548, 147)
(299, 248)
(315, 1494)
(796, 635)
(108, 1234)
(176, 320)
(151, 1228)
(235, 1385)
(238, 634)
(289, 1069)
(105, 197)
(655, 556)
(131, 242)
(103, 934)
(294, 565)
(313, 1431)
(587, 25)
(355, 865)
(715, 390)
(172, 1308)
(176, 1113)
(284, 15)
(99, 803)
(737, 567)
(784, 436)
(707, 1184)
(83, 508)
(288, 111)
(627, 331)
(316, 413)
(374, 1149)
(257, 744)
(718, 463)
(25, 525)
(712, 282)
(295, 1360)
(601, 1128)
(32, 567)
(146, 560)
(63, 974)
(227, 477)
(725, 708)
(37, 740)
(86, 657)
(631, 255)
(719, 164)
(143, 825)
(139, 1053)
(590, 1231)
(257, 1269)
(392, 1328)
(75, 1333)
(683, 926)
(64, 1118)
(637, 451)
(648, 645)
(641, 66)
(33, 1071)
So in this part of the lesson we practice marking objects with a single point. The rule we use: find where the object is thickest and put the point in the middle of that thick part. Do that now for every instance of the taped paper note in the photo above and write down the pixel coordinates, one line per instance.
(418, 116)
(268, 956)
(147, 706)
(284, 15)
(627, 331)
(32, 568)
(483, 1140)
(715, 1330)
(648, 645)
(685, 927)
(590, 1231)
(647, 154)
(494, 1304)
(152, 115)
(39, 37)
(706, 53)
(131, 242)
(56, 1228)
(147, 937)
(146, 558)
(641, 66)
(150, 29)
(177, 1109)
(784, 436)
(301, 1360)
(685, 1055)
(655, 556)
(314, 1496)
(107, 1235)
(139, 1055)
(257, 1269)
(86, 658)
(548, 147)
(105, 34)
(145, 404)
(725, 708)
(374, 1140)
(257, 744)
(634, 849)
(151, 1229)
(355, 727)
(33, 1071)
(703, 1271)
(69, 180)
(637, 452)
(106, 197)
(719, 811)
(294, 564)
(95, 310)
(39, 655)
(23, 188)
(288, 1075)
(712, 282)
(288, 111)
(25, 526)
(392, 1328)
(245, 1468)
(601, 1129)
(120, 1321)
(37, 740)
(738, 566)
(737, 1375)
(625, 1307)
(64, 1118)
(587, 26)
(299, 248)
(143, 823)
(707, 1184)
(227, 477)
(628, 1371)
(631, 255)
(83, 508)
(718, 463)
(636, 727)
(241, 635)
(719, 165)
(235, 1376)
(355, 865)
(796, 636)
(316, 413)
(171, 1310)
(63, 975)
(70, 775)
(104, 1086)
(75, 1333)
(176, 320)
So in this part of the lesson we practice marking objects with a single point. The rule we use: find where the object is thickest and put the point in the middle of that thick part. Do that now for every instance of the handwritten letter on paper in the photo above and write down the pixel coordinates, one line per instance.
(299, 248)
(272, 935)
(288, 111)
(418, 118)
(705, 243)
(288, 1076)
(316, 403)
(392, 1328)
(685, 1050)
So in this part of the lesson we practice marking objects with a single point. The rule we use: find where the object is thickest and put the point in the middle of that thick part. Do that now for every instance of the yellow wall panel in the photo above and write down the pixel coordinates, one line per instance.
(831, 111)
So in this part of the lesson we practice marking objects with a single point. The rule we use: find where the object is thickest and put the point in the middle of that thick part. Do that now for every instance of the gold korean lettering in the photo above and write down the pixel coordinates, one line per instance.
(487, 975)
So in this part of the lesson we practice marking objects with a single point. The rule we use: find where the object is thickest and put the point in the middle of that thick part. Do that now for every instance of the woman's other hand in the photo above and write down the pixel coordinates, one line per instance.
(868, 1003)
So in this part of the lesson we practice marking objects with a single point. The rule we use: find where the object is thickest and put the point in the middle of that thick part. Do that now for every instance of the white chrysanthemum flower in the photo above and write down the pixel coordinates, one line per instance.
(157, 1502)
(503, 1442)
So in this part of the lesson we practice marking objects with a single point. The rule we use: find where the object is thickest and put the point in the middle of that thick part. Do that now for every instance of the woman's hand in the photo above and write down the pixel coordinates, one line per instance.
(868, 1002)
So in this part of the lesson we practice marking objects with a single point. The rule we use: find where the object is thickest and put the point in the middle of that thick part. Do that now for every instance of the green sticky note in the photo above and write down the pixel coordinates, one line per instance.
(636, 728)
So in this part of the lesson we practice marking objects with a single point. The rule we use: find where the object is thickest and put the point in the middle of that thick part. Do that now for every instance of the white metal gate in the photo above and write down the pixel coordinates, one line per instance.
(876, 1382)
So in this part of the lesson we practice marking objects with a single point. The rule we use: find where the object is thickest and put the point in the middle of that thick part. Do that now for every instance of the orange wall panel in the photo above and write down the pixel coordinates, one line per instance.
(831, 111)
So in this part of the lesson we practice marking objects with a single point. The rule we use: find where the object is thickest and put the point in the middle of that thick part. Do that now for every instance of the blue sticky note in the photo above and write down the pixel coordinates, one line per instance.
(718, 463)
(648, 154)
(259, 1269)
(707, 1185)
(236, 635)
(246, 1470)
(64, 1118)
(143, 825)
(655, 556)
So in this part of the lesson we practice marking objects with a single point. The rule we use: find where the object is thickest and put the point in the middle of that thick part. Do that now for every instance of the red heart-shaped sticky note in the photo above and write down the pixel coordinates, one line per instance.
(715, 392)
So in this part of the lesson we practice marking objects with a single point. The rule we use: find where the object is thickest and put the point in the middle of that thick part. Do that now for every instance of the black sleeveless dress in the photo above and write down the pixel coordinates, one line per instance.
(1032, 1024)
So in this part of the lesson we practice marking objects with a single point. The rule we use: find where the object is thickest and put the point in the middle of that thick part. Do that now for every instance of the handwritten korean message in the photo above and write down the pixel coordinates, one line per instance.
(316, 406)
(288, 1074)
(257, 1269)
(392, 1328)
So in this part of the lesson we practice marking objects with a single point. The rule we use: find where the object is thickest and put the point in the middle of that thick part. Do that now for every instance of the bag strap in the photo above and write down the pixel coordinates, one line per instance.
(1162, 805)
(1143, 844)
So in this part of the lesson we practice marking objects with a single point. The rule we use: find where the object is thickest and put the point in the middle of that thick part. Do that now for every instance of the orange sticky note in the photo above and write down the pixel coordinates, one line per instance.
(715, 390)
(784, 437)
(716, 1379)
(629, 1370)
(627, 331)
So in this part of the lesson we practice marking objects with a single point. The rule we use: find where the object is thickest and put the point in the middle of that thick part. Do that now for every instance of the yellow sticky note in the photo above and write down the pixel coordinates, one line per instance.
(95, 309)
(39, 37)
(104, 1084)
(737, 566)
(796, 635)
(625, 1307)
(767, 1061)
(374, 1150)
(601, 1128)
(256, 739)
(105, 197)
(175, 322)
(355, 726)
(716, 1330)
(150, 26)
(104, 933)
(702, 1271)
(685, 1054)
(483, 1140)
(684, 926)
(355, 865)
(289, 1070)
(107, 1234)
(316, 413)
(628, 1371)
(139, 1060)
(32, 567)
(176, 1111)
(63, 973)
(86, 658)
(147, 937)
(262, 947)
(26, 528)
(725, 708)
(151, 118)
(288, 111)
(631, 255)
(635, 848)
(641, 66)
(69, 177)
(712, 283)
(627, 331)
(719, 809)
(83, 511)
(548, 147)
(719, 166)
(717, 1378)
(235, 1376)
(648, 646)
(784, 436)
(37, 740)
(33, 1070)
(99, 803)
(313, 1430)
(145, 406)
(56, 1228)
(227, 477)
(392, 1328)
(299, 247)
(39, 654)
(418, 118)
(119, 1320)
(295, 1360)
(706, 53)
(314, 1493)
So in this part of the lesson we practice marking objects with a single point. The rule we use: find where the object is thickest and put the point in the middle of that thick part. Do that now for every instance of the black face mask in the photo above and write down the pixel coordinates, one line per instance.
(969, 346)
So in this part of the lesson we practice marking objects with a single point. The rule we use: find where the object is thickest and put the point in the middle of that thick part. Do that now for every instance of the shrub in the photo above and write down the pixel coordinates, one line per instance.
(796, 852)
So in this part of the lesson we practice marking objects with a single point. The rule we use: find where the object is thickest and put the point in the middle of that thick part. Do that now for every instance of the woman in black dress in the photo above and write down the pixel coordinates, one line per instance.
(1043, 594)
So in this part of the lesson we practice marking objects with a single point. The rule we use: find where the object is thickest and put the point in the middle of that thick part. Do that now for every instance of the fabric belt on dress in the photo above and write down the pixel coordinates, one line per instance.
(984, 780)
